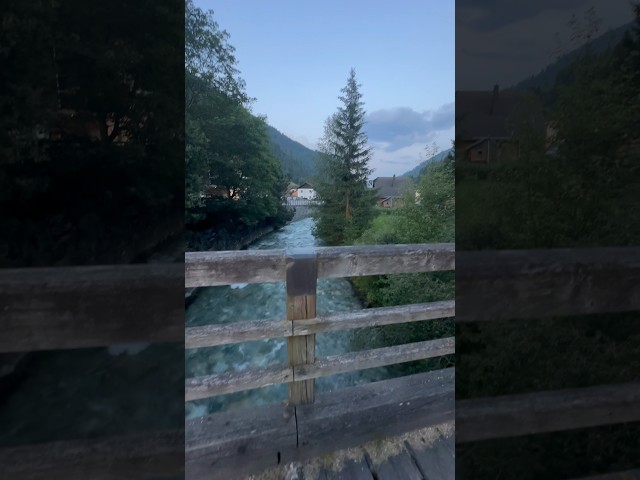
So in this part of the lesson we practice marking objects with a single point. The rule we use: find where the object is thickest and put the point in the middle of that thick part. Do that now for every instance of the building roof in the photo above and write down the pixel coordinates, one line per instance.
(485, 114)
(305, 185)
(389, 186)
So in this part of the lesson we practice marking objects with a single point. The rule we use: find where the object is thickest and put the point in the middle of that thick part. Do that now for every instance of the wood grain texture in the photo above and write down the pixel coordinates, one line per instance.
(239, 442)
(209, 269)
(399, 466)
(337, 262)
(374, 317)
(301, 350)
(206, 386)
(259, 266)
(436, 461)
(126, 457)
(79, 307)
(375, 410)
(242, 442)
(550, 411)
(237, 332)
(378, 357)
(245, 331)
(546, 283)
(229, 382)
(352, 470)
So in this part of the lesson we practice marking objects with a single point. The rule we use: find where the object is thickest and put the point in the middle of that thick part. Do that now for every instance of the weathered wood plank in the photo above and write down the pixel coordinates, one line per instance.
(378, 357)
(239, 442)
(229, 382)
(437, 461)
(260, 266)
(375, 410)
(301, 350)
(337, 262)
(237, 332)
(245, 331)
(126, 457)
(352, 470)
(551, 411)
(374, 317)
(78, 307)
(399, 466)
(242, 442)
(301, 286)
(209, 269)
(546, 283)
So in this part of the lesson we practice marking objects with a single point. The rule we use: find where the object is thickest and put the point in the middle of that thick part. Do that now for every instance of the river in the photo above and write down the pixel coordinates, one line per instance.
(216, 305)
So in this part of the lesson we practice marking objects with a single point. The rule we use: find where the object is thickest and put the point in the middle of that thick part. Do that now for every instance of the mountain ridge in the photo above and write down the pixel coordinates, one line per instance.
(545, 79)
(415, 172)
(298, 162)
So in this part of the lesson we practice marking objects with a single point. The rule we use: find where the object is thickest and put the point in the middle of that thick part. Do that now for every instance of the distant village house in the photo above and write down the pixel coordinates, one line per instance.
(305, 191)
(483, 125)
(388, 190)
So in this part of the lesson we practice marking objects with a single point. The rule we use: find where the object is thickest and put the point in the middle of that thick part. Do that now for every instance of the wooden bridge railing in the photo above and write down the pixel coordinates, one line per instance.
(64, 308)
(300, 269)
(547, 284)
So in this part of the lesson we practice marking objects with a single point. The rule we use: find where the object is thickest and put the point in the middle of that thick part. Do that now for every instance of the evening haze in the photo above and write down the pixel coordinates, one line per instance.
(503, 42)
(296, 56)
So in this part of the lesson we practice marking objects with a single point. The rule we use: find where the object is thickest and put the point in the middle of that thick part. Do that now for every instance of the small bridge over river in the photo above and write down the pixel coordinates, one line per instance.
(80, 307)
(303, 207)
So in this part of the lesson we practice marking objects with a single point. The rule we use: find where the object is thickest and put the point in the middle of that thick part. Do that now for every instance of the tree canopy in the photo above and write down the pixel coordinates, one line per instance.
(341, 183)
(232, 179)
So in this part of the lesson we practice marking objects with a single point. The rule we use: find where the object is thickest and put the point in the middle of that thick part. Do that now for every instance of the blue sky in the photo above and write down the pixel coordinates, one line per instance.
(295, 56)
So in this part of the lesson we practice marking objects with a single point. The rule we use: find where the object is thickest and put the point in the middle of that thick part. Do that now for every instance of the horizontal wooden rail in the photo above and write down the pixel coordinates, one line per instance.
(547, 283)
(208, 269)
(77, 307)
(241, 442)
(244, 331)
(550, 411)
(144, 455)
(211, 385)
(206, 386)
(378, 357)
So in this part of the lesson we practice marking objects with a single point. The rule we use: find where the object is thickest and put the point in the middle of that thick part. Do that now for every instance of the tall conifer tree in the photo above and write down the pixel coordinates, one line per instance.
(341, 184)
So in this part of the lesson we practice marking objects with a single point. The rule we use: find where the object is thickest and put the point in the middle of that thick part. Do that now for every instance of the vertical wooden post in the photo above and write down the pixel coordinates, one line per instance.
(302, 278)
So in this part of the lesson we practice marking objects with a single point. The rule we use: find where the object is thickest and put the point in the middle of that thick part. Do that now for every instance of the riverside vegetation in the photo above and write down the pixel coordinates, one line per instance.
(581, 196)
(233, 182)
(348, 215)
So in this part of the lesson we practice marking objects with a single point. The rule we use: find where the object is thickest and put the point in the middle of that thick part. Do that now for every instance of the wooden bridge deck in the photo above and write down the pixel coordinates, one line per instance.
(427, 454)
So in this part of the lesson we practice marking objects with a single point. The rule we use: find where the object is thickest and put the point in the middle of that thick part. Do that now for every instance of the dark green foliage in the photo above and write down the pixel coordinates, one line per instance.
(341, 183)
(298, 162)
(430, 220)
(233, 182)
(75, 77)
(582, 195)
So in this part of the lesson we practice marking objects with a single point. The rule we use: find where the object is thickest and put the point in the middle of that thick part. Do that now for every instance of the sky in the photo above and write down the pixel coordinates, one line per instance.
(295, 56)
(503, 41)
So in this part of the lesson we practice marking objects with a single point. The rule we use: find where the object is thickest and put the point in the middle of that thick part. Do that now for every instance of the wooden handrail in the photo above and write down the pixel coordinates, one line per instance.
(230, 382)
(245, 331)
(547, 283)
(80, 307)
(549, 411)
(208, 269)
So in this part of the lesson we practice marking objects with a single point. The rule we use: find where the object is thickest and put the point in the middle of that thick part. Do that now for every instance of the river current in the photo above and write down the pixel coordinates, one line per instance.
(217, 305)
